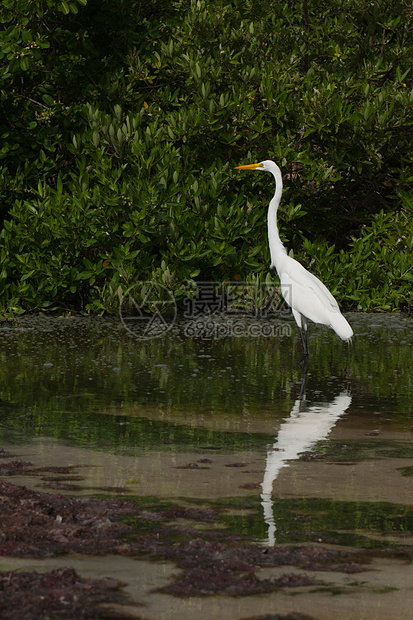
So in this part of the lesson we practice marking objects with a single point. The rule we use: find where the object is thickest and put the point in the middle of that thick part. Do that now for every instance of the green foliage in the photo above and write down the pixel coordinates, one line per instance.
(120, 130)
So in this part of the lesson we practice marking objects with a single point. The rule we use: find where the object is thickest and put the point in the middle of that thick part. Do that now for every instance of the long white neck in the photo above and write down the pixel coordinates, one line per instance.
(277, 250)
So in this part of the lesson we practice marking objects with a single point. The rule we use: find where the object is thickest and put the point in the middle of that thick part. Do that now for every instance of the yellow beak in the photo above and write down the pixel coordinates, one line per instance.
(249, 167)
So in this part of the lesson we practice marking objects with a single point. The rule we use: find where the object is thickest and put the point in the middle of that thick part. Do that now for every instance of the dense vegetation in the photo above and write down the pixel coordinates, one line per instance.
(121, 123)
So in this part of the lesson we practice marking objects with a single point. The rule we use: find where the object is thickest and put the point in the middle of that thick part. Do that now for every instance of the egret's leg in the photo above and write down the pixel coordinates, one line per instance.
(302, 326)
(303, 361)
(303, 333)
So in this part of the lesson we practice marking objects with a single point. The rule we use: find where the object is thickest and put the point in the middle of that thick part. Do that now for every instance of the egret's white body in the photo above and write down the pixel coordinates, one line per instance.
(304, 293)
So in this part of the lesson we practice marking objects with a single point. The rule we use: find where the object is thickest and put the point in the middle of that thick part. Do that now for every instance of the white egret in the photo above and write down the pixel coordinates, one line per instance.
(303, 292)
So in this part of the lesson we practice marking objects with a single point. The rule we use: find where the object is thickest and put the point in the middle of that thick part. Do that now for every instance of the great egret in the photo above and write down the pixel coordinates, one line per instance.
(303, 292)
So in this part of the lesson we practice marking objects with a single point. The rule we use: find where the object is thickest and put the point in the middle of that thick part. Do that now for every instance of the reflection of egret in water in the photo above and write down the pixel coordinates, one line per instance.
(305, 426)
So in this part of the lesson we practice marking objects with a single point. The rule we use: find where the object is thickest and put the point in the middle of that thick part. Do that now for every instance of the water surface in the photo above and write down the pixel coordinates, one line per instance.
(224, 416)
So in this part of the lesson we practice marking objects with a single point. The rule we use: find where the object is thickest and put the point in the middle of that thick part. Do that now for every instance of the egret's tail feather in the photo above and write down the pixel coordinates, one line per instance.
(341, 327)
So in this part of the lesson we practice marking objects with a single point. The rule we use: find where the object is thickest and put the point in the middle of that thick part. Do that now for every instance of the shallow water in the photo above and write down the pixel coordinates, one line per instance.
(218, 412)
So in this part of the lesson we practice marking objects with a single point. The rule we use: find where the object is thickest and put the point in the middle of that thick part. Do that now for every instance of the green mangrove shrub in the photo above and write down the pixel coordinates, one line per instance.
(120, 131)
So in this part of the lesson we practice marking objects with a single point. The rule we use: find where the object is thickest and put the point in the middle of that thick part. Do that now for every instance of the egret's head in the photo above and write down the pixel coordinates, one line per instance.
(267, 166)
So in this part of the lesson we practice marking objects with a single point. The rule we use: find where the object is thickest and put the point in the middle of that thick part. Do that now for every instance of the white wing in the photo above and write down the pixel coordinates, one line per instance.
(308, 297)
(295, 275)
